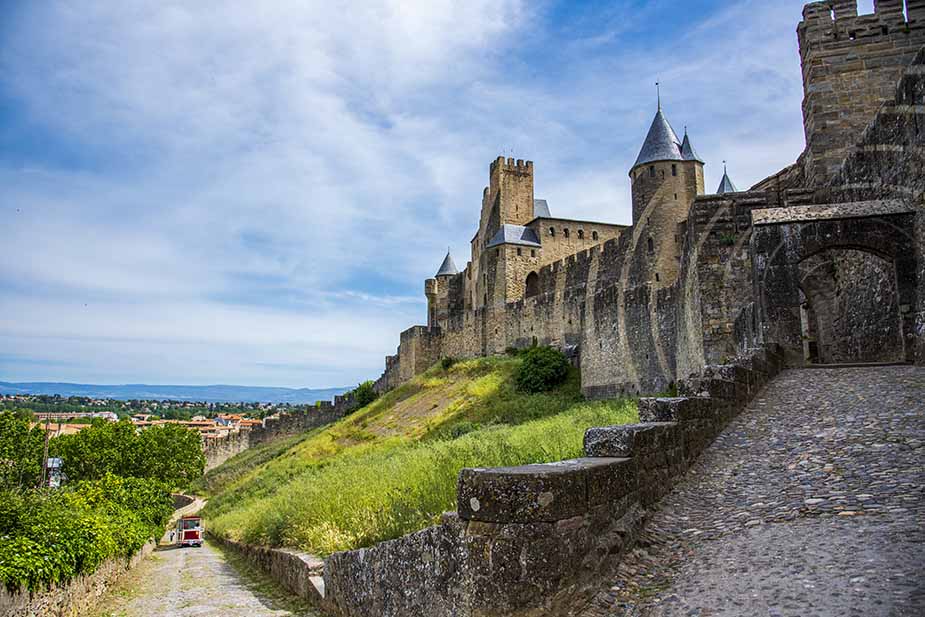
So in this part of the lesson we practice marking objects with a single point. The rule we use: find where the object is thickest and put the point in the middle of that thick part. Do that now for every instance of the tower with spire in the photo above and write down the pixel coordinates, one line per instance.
(726, 185)
(666, 178)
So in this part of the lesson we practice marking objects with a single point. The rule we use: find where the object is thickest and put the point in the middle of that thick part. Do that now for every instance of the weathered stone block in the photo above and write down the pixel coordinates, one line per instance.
(629, 440)
(533, 493)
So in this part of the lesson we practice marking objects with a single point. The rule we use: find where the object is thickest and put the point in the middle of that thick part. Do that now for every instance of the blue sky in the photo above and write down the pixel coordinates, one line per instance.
(253, 193)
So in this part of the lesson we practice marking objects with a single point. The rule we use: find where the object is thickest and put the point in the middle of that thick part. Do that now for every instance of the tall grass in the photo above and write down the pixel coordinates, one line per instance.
(379, 493)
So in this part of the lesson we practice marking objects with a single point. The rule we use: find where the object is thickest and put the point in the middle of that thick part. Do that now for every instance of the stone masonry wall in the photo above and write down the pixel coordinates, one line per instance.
(850, 68)
(537, 540)
(218, 450)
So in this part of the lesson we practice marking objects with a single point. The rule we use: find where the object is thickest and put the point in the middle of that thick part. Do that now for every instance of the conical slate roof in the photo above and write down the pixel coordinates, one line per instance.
(687, 150)
(726, 185)
(662, 143)
(448, 267)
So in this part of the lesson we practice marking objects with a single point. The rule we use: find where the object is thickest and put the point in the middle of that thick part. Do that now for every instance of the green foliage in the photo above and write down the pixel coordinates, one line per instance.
(169, 453)
(21, 451)
(543, 369)
(387, 492)
(447, 363)
(50, 536)
(365, 394)
(391, 468)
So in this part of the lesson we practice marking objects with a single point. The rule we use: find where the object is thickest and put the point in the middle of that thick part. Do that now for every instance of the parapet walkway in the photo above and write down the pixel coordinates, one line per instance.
(810, 503)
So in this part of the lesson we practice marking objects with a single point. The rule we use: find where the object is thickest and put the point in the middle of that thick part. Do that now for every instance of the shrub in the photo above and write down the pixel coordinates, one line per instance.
(447, 363)
(50, 536)
(364, 394)
(543, 369)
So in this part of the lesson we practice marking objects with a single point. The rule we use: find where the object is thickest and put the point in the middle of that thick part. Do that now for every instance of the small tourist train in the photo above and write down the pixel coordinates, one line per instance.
(190, 531)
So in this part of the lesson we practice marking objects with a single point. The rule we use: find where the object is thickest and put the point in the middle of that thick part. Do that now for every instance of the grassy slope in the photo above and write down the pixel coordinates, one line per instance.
(391, 468)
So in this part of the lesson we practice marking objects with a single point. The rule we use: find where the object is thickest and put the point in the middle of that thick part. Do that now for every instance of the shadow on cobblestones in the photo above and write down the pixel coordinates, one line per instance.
(810, 503)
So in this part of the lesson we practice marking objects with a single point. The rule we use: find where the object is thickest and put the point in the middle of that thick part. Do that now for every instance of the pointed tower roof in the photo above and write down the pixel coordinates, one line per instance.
(726, 185)
(448, 267)
(687, 150)
(662, 143)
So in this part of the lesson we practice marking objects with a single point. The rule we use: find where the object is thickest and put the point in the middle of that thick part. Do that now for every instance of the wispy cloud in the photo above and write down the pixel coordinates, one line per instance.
(200, 192)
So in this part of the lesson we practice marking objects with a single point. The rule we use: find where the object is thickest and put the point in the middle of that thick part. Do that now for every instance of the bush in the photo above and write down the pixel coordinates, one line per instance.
(543, 369)
(364, 394)
(50, 536)
(447, 363)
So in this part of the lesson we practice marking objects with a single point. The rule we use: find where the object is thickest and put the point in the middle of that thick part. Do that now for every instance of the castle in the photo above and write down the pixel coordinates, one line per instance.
(823, 257)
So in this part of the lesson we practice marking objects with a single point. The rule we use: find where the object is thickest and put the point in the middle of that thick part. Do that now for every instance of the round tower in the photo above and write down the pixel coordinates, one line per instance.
(668, 173)
(666, 178)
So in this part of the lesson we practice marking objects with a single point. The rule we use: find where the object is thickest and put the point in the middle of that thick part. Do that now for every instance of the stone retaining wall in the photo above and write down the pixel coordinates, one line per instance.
(300, 573)
(71, 599)
(538, 539)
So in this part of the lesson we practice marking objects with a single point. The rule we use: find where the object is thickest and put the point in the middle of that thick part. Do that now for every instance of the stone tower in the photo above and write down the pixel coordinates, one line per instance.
(437, 291)
(666, 178)
(851, 64)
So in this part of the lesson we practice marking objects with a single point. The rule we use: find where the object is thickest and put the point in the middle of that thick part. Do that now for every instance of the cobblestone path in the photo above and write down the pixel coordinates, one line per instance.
(201, 582)
(810, 503)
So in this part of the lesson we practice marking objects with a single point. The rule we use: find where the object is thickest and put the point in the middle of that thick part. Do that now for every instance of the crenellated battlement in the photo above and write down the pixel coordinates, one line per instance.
(845, 12)
(511, 165)
(851, 64)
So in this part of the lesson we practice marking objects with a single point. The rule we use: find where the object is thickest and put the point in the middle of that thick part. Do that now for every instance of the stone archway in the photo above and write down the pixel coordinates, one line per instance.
(833, 286)
(850, 308)
(532, 285)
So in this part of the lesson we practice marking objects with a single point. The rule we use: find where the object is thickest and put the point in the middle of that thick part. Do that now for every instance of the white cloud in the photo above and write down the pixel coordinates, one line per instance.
(261, 187)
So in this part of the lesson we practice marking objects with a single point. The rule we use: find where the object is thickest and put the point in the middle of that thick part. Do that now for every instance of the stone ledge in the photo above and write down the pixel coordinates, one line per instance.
(797, 214)
(541, 493)
(629, 439)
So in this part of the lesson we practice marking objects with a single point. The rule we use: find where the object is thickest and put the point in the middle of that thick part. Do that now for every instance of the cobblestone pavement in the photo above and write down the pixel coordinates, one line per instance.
(200, 582)
(810, 503)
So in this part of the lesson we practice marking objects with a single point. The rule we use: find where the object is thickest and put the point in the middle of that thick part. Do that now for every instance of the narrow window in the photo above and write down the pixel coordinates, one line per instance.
(532, 252)
(594, 235)
(552, 232)
(565, 232)
(674, 170)
(651, 171)
(676, 196)
(853, 35)
(651, 246)
(518, 252)
(885, 30)
(581, 234)
(656, 277)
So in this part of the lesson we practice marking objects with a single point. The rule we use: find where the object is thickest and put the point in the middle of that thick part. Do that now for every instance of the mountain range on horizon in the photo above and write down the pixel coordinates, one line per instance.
(205, 394)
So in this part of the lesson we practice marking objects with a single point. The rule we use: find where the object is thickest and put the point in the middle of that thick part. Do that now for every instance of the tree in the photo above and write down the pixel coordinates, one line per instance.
(104, 447)
(364, 394)
(172, 454)
(21, 450)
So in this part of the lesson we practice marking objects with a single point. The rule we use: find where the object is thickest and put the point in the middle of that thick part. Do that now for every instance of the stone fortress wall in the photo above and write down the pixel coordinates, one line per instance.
(676, 291)
(755, 273)
(220, 449)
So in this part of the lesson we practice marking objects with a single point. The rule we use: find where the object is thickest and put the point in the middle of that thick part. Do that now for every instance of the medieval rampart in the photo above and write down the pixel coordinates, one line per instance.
(220, 449)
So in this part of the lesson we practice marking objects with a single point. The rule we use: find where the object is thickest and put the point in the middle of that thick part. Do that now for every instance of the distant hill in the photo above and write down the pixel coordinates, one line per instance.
(206, 394)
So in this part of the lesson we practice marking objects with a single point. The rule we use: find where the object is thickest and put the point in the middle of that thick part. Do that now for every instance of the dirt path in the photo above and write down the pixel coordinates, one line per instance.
(200, 582)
